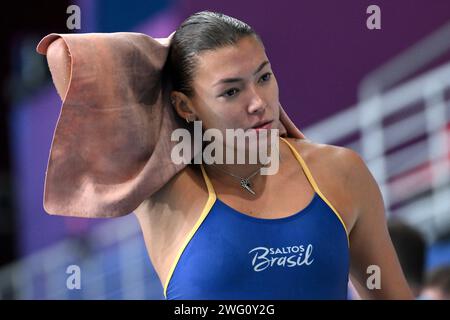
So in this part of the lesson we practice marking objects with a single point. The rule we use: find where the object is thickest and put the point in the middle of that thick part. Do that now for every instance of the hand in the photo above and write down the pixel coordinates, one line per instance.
(291, 129)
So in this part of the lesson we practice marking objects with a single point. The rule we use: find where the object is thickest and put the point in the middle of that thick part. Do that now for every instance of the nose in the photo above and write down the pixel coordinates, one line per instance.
(257, 104)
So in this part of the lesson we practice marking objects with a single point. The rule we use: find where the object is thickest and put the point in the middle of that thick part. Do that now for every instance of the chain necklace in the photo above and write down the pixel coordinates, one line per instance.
(244, 182)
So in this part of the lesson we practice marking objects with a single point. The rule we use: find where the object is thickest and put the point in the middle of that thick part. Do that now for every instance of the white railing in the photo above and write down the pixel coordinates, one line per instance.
(408, 156)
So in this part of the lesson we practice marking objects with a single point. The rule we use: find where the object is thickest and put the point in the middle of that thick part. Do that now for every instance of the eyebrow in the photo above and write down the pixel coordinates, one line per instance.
(229, 80)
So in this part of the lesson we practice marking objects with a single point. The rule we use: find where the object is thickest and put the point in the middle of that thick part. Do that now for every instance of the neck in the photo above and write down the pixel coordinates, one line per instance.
(244, 170)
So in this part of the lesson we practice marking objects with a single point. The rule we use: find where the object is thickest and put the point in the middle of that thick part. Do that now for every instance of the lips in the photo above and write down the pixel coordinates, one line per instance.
(263, 125)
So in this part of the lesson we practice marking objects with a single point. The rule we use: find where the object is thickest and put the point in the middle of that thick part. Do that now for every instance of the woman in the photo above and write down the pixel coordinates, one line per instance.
(296, 234)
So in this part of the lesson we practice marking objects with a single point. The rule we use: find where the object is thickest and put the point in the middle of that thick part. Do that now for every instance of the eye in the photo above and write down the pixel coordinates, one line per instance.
(231, 93)
(266, 76)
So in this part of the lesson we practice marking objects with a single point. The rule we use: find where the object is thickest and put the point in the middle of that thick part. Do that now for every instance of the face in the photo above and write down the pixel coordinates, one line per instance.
(235, 87)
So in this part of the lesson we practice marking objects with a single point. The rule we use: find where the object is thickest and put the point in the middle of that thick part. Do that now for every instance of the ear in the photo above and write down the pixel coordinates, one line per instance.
(182, 105)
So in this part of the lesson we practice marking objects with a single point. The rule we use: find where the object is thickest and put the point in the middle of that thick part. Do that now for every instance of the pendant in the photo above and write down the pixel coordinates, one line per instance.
(245, 183)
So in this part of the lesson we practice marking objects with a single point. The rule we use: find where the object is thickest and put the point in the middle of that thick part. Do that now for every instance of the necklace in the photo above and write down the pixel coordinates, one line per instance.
(244, 182)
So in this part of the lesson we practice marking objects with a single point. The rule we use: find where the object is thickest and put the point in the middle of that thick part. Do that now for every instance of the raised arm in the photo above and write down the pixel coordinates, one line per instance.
(59, 63)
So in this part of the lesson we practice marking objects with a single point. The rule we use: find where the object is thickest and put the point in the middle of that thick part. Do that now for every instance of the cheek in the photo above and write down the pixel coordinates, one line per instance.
(231, 121)
(274, 88)
(207, 111)
(218, 119)
(226, 115)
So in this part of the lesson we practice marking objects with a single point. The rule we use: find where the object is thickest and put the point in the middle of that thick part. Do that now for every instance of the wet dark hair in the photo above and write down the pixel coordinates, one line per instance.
(205, 30)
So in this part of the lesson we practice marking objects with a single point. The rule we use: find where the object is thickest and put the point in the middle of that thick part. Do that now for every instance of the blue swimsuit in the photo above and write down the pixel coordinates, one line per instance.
(231, 255)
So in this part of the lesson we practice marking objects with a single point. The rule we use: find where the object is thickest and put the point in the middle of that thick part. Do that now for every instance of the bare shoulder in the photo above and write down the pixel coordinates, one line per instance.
(322, 156)
(340, 173)
(352, 171)
(186, 184)
(340, 163)
(352, 168)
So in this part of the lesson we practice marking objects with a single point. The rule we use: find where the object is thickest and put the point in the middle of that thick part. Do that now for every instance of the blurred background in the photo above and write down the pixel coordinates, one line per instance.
(384, 93)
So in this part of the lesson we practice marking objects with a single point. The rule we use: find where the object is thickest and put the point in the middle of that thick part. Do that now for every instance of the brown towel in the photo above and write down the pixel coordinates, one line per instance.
(111, 146)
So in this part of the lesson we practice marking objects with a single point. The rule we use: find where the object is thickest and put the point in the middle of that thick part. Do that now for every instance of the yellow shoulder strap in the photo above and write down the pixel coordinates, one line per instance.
(313, 183)
(205, 211)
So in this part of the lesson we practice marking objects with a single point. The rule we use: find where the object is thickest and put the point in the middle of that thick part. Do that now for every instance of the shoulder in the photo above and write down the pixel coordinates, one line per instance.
(346, 162)
(187, 182)
(338, 159)
(343, 175)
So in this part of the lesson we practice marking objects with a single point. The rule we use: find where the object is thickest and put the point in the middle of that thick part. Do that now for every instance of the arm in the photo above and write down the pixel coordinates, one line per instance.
(58, 59)
(370, 243)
